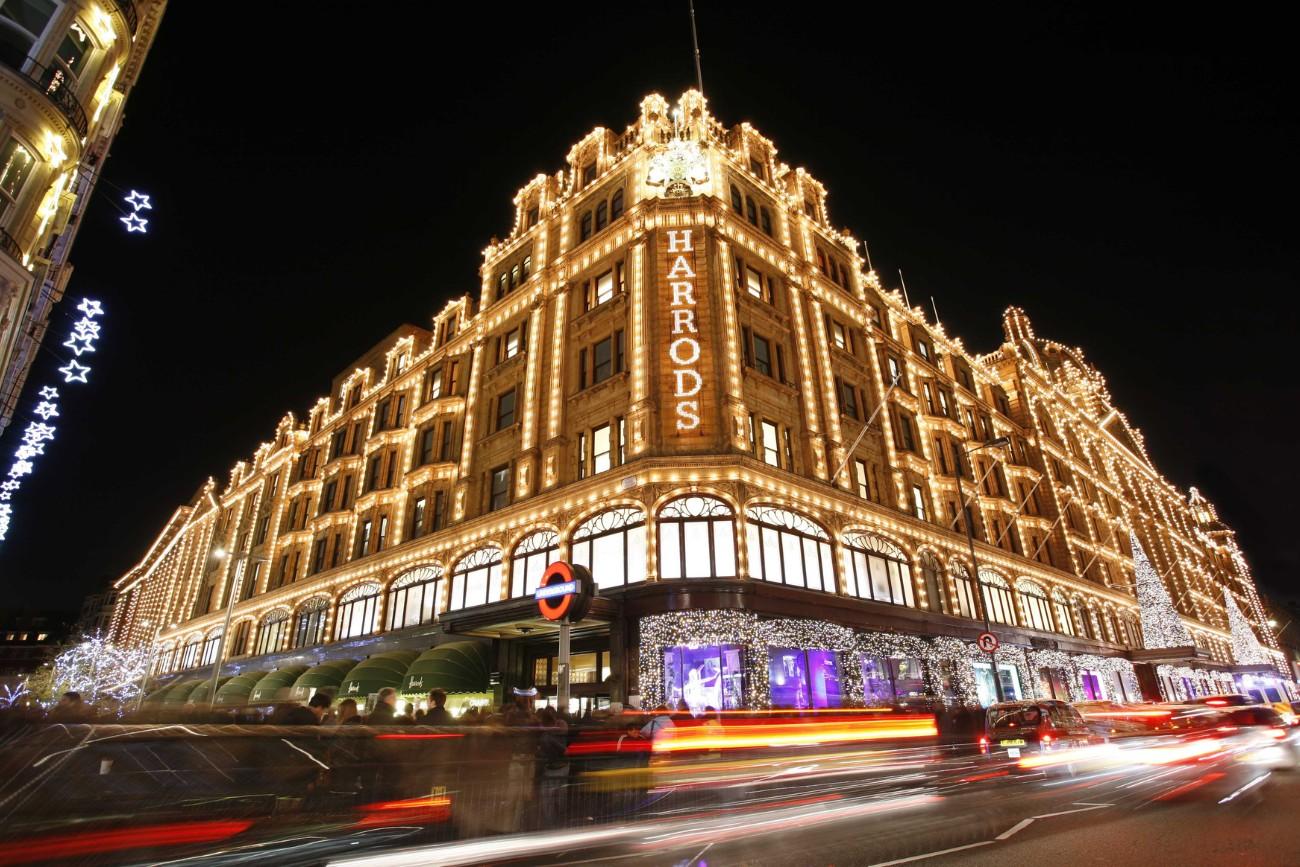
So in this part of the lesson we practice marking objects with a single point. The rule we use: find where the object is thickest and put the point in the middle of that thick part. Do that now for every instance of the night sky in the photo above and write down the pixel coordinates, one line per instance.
(322, 174)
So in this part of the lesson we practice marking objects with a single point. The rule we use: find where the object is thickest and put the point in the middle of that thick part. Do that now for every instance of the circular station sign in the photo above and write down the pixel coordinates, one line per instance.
(564, 592)
(988, 642)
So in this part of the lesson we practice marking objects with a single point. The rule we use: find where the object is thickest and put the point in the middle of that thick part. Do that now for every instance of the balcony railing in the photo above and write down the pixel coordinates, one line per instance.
(127, 8)
(10, 246)
(52, 82)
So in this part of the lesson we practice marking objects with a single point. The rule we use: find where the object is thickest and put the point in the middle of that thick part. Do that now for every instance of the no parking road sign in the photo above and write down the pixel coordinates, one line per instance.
(988, 642)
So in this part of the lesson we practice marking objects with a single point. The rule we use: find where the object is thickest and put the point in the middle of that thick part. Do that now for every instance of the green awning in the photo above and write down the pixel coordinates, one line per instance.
(327, 676)
(376, 672)
(275, 685)
(179, 693)
(199, 695)
(160, 695)
(236, 689)
(458, 666)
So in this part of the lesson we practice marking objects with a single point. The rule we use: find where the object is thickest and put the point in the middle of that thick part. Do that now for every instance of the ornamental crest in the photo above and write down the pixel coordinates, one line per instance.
(678, 168)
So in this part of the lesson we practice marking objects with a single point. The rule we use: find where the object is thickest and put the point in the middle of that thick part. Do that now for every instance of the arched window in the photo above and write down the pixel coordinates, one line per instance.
(878, 570)
(166, 659)
(1096, 628)
(309, 623)
(1112, 625)
(190, 653)
(612, 546)
(965, 590)
(270, 632)
(532, 555)
(1135, 635)
(1083, 628)
(932, 579)
(616, 206)
(239, 643)
(1033, 599)
(357, 610)
(602, 216)
(584, 226)
(1062, 610)
(209, 654)
(765, 220)
(787, 548)
(697, 539)
(751, 211)
(997, 598)
(414, 597)
(476, 578)
(737, 203)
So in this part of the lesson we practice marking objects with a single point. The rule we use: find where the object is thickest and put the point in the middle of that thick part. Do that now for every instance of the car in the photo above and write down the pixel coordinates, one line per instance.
(1116, 720)
(1237, 699)
(1260, 735)
(1043, 724)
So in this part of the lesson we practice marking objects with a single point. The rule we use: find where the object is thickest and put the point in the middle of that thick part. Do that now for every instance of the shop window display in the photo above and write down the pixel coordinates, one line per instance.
(804, 678)
(704, 677)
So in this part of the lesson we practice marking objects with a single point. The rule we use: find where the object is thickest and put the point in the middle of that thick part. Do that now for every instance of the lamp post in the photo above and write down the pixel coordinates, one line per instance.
(970, 540)
(240, 561)
(148, 662)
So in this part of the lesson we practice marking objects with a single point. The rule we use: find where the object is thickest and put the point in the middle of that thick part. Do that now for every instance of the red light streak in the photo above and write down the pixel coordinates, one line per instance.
(415, 737)
(86, 843)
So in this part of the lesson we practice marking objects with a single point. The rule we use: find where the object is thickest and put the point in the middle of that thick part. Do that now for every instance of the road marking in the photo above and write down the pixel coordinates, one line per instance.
(1091, 804)
(1068, 812)
(933, 854)
(1016, 828)
(1252, 784)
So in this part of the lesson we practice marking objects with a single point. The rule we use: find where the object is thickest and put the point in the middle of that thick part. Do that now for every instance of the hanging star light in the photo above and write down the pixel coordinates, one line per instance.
(49, 392)
(28, 452)
(86, 328)
(80, 345)
(73, 372)
(134, 223)
(138, 201)
(91, 307)
(45, 409)
(37, 432)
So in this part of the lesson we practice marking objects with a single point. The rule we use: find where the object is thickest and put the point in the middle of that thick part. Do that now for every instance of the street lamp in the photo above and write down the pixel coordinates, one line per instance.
(970, 540)
(240, 559)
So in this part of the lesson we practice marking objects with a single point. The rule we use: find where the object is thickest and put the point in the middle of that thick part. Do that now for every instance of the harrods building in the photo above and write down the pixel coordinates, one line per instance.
(665, 374)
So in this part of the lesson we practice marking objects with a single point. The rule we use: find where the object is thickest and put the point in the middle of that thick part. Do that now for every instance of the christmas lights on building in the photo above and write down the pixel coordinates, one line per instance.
(657, 373)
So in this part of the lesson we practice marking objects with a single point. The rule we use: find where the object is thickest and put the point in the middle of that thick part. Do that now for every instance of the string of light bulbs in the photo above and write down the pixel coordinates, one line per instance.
(81, 340)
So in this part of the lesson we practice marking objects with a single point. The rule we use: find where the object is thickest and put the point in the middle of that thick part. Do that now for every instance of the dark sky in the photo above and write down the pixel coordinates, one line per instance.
(320, 176)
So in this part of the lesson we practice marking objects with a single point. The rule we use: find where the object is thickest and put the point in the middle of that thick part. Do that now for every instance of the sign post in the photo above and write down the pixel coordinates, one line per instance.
(564, 596)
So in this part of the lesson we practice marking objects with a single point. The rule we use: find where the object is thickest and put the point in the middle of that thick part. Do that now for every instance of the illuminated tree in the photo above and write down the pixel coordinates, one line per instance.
(100, 671)
(1161, 625)
(1246, 649)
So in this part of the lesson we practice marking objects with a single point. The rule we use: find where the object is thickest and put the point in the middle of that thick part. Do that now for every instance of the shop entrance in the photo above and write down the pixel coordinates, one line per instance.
(589, 675)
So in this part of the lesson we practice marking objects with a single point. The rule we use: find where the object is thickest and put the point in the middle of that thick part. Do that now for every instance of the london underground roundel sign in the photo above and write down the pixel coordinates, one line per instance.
(565, 592)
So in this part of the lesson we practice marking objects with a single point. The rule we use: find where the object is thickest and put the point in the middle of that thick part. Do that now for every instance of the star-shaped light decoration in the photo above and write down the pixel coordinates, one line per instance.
(73, 372)
(20, 468)
(26, 453)
(77, 345)
(138, 201)
(134, 223)
(45, 409)
(86, 327)
(36, 432)
(49, 392)
(10, 485)
(91, 307)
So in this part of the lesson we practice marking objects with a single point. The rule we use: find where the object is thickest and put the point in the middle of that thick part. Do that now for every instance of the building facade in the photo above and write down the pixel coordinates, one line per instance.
(675, 371)
(66, 70)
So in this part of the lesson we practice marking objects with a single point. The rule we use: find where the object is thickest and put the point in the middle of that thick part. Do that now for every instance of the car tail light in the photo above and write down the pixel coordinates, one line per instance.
(1278, 733)
(1047, 739)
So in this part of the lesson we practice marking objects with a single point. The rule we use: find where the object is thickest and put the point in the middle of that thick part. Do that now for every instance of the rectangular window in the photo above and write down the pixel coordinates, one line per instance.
(263, 526)
(336, 555)
(439, 510)
(15, 163)
(500, 494)
(753, 282)
(896, 372)
(906, 440)
(929, 397)
(399, 411)
(444, 448)
(426, 447)
(771, 453)
(513, 343)
(382, 537)
(318, 556)
(327, 498)
(417, 518)
(372, 471)
(506, 410)
(602, 360)
(622, 441)
(944, 405)
(848, 399)
(347, 493)
(602, 290)
(582, 455)
(838, 336)
(381, 414)
(392, 468)
(433, 385)
(860, 475)
(762, 355)
(918, 502)
(601, 449)
(363, 539)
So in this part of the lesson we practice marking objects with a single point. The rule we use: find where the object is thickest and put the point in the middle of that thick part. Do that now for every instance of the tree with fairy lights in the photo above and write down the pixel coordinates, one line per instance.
(1161, 625)
(1246, 649)
(102, 672)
